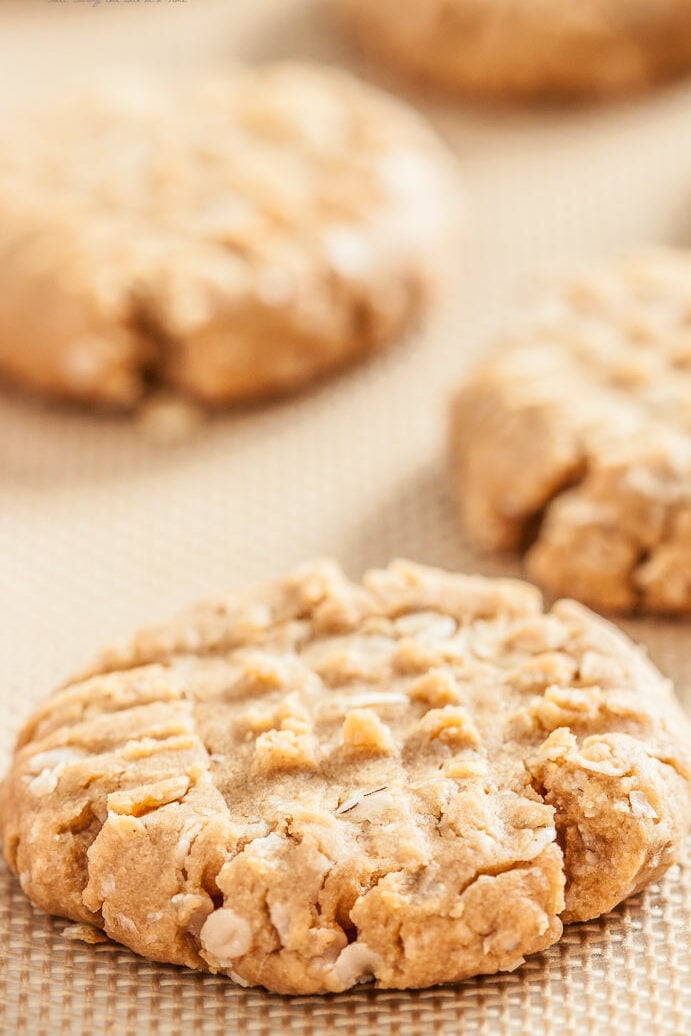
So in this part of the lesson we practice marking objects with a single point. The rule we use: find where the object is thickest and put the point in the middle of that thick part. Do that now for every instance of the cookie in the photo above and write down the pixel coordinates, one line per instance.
(523, 49)
(573, 441)
(317, 784)
(227, 240)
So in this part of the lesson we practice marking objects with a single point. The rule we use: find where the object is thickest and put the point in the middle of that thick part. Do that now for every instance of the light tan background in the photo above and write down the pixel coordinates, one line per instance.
(101, 531)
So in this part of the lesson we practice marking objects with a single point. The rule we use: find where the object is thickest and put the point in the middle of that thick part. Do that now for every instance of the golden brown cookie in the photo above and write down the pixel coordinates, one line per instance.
(573, 440)
(527, 48)
(227, 240)
(319, 783)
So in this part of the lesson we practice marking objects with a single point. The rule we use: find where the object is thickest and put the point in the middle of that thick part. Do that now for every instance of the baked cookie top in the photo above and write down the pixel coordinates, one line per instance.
(574, 438)
(229, 239)
(415, 780)
(527, 48)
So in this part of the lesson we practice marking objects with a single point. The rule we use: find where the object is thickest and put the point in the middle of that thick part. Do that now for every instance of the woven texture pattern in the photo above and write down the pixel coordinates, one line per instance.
(101, 531)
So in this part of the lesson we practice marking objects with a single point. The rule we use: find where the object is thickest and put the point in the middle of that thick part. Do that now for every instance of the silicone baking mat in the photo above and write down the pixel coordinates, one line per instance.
(101, 530)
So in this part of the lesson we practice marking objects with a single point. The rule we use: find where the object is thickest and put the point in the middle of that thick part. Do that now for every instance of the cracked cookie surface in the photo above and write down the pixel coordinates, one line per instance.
(413, 780)
(226, 240)
(576, 435)
(523, 48)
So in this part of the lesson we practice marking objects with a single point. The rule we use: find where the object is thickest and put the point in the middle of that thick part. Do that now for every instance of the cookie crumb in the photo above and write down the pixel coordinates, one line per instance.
(167, 420)
(84, 933)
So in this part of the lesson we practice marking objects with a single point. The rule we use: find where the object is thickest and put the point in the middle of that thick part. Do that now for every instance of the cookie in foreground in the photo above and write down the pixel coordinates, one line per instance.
(524, 49)
(572, 442)
(412, 781)
(227, 240)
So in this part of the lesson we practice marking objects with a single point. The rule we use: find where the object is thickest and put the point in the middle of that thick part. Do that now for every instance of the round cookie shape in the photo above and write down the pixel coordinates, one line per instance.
(511, 49)
(411, 781)
(229, 240)
(574, 439)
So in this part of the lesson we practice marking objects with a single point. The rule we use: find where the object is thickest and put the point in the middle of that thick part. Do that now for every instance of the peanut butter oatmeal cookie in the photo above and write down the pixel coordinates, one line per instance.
(410, 781)
(574, 439)
(227, 240)
(526, 48)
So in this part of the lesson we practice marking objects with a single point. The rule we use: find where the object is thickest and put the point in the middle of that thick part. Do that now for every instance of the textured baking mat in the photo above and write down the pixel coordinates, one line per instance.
(628, 972)
(101, 531)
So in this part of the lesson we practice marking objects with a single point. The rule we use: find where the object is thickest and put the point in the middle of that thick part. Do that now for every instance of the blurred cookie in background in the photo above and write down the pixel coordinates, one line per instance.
(527, 48)
(226, 240)
(573, 441)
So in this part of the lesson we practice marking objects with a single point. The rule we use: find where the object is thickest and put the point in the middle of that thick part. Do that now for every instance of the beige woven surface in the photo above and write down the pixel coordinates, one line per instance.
(101, 531)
